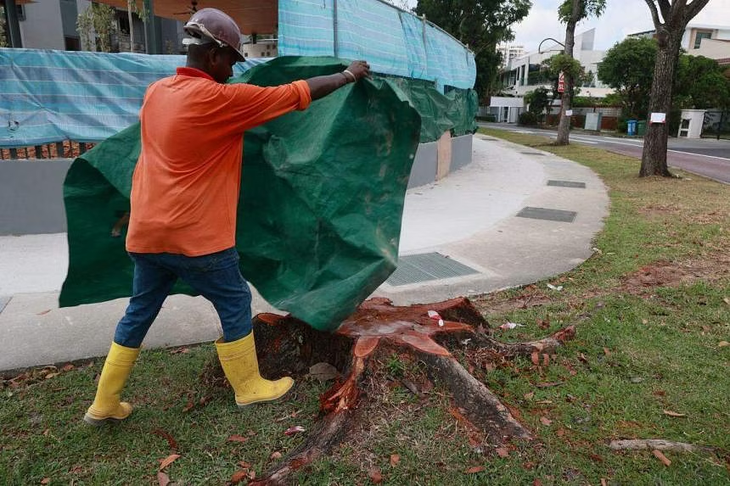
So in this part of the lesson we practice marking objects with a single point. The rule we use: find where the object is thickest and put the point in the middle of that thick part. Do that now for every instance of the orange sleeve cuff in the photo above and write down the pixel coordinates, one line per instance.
(305, 96)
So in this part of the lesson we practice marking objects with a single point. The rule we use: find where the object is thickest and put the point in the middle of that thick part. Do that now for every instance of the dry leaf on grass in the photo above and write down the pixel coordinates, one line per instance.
(375, 475)
(394, 460)
(537, 482)
(673, 414)
(68, 367)
(163, 479)
(170, 440)
(545, 421)
(237, 438)
(528, 396)
(275, 455)
(45, 480)
(536, 357)
(502, 452)
(474, 470)
(658, 454)
(606, 351)
(168, 460)
(239, 476)
(722, 344)
(604, 482)
(560, 432)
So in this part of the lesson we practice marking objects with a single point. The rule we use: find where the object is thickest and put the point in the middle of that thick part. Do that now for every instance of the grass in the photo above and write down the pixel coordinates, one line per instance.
(651, 307)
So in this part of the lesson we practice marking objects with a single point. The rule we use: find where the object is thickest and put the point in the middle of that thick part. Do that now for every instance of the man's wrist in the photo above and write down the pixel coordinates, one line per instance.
(349, 75)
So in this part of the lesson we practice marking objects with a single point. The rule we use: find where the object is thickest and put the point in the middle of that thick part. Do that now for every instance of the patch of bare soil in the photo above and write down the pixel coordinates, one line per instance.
(673, 274)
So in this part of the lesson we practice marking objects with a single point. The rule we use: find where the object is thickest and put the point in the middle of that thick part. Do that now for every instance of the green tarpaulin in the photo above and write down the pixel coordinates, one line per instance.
(321, 202)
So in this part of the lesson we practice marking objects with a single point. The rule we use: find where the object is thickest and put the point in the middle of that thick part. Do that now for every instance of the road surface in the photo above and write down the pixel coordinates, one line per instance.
(707, 157)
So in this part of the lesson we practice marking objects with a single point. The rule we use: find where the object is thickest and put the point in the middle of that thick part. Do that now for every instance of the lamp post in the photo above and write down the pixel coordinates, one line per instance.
(539, 51)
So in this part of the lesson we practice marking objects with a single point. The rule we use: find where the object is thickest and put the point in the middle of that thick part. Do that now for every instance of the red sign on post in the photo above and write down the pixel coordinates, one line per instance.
(561, 82)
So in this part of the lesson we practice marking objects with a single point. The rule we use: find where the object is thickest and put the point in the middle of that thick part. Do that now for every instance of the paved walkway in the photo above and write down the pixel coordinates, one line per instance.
(464, 235)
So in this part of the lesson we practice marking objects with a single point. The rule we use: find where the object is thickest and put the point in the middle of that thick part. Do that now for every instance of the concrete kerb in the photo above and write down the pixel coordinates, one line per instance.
(469, 216)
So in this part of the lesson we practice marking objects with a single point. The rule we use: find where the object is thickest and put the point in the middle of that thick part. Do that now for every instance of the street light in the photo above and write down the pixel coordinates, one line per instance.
(549, 38)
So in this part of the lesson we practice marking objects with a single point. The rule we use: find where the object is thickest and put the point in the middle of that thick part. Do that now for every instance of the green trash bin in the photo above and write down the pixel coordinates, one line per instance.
(641, 128)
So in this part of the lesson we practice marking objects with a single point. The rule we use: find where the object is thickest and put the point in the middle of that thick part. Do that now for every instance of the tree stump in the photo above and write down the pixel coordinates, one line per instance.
(289, 346)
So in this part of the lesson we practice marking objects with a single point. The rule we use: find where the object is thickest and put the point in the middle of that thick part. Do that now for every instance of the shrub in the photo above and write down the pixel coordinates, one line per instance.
(527, 118)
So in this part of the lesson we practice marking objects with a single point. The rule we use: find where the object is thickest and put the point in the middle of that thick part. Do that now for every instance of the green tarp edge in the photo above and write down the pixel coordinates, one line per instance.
(322, 194)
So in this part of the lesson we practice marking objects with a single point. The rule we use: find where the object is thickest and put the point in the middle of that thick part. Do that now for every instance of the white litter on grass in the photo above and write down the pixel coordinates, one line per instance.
(510, 325)
(553, 287)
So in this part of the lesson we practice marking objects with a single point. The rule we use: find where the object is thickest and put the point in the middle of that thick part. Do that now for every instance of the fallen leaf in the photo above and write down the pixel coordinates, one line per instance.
(674, 414)
(604, 482)
(502, 452)
(537, 482)
(237, 438)
(722, 344)
(545, 360)
(51, 375)
(239, 476)
(545, 402)
(244, 464)
(375, 475)
(163, 479)
(545, 421)
(658, 454)
(275, 455)
(168, 460)
(68, 367)
(170, 440)
(596, 457)
(644, 321)
(188, 407)
(606, 351)
(180, 351)
(727, 300)
(560, 432)
(536, 357)
(323, 372)
(528, 396)
(394, 460)
(582, 357)
(45, 480)
(474, 470)
(294, 430)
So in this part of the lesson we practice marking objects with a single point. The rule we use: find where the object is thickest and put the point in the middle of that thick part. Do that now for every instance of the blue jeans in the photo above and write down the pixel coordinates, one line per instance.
(216, 277)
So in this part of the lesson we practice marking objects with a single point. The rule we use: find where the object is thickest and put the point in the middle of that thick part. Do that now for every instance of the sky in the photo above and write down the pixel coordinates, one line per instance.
(620, 18)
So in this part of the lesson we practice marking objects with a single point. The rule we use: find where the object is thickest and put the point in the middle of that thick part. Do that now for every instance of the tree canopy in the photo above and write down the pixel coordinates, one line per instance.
(628, 68)
(480, 24)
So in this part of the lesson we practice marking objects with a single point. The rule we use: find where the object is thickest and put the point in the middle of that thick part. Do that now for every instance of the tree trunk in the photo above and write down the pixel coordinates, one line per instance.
(564, 124)
(131, 25)
(654, 156)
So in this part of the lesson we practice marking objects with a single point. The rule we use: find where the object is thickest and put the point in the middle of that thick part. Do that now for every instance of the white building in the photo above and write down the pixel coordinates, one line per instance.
(509, 52)
(712, 41)
(519, 76)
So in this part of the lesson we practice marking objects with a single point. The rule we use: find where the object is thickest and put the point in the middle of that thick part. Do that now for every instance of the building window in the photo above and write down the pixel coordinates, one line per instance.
(72, 43)
(701, 35)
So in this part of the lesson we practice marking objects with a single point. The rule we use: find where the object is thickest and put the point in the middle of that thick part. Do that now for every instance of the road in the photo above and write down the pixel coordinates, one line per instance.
(706, 157)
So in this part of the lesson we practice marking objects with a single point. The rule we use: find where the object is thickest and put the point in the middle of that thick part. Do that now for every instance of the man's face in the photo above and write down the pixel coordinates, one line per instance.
(221, 63)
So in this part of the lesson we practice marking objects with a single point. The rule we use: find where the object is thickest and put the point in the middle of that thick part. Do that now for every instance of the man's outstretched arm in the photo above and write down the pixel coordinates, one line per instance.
(321, 86)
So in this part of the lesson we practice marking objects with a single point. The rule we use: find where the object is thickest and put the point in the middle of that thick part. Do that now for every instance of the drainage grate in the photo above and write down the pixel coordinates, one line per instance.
(577, 185)
(548, 214)
(534, 153)
(4, 301)
(425, 267)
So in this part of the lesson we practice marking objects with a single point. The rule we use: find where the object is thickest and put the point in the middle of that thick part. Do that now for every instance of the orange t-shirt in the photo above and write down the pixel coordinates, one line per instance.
(187, 180)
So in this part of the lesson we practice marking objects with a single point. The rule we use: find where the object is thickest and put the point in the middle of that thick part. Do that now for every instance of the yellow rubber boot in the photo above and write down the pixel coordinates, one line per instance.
(239, 362)
(107, 407)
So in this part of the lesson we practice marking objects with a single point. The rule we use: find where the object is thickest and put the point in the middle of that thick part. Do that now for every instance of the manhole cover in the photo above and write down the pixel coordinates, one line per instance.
(548, 214)
(427, 266)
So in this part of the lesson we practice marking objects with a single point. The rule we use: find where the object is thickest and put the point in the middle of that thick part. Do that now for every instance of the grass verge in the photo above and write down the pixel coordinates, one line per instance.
(652, 308)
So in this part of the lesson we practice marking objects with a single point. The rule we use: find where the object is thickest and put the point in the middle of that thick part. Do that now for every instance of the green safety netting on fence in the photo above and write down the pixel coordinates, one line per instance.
(322, 194)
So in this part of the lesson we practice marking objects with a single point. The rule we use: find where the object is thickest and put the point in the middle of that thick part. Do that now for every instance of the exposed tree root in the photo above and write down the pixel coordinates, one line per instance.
(287, 345)
(658, 444)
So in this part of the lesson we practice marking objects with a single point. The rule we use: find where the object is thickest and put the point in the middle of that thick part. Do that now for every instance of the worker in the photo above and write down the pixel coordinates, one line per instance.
(184, 198)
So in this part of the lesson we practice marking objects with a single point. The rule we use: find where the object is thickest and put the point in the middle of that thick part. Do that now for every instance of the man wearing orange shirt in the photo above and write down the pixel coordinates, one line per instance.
(183, 204)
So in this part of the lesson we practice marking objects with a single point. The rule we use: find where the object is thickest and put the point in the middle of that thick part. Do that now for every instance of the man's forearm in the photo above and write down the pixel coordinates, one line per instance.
(321, 86)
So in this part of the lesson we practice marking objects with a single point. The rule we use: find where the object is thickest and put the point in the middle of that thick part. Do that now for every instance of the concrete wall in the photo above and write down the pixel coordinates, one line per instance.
(31, 191)
(31, 196)
(42, 27)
